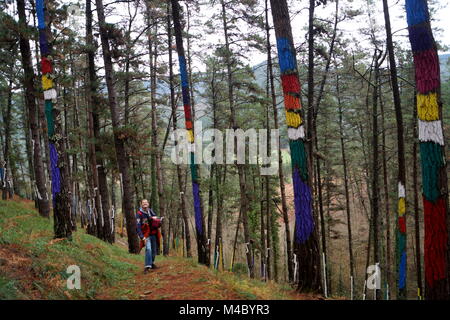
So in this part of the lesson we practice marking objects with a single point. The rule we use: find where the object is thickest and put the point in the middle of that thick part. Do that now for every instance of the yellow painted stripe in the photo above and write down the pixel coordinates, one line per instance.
(401, 207)
(190, 136)
(293, 119)
(427, 107)
(47, 83)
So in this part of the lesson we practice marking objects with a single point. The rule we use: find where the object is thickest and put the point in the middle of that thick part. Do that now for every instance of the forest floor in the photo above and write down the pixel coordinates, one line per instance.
(34, 266)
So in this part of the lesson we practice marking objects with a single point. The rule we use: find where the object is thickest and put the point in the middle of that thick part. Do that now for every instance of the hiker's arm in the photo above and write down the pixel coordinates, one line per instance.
(138, 226)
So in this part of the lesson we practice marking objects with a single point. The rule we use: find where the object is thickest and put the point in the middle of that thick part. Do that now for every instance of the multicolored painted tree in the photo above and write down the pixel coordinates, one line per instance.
(305, 238)
(432, 152)
(401, 207)
(199, 219)
(61, 210)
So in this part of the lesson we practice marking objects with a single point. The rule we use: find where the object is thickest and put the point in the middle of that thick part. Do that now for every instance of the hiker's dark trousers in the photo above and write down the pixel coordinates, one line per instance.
(150, 251)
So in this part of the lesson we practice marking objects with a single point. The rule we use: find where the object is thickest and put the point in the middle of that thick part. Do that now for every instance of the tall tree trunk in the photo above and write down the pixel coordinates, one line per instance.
(59, 170)
(156, 149)
(6, 187)
(218, 242)
(369, 246)
(416, 208)
(152, 52)
(375, 165)
(401, 208)
(323, 229)
(181, 188)
(264, 251)
(387, 265)
(284, 208)
(29, 150)
(432, 151)
(310, 119)
(305, 240)
(242, 184)
(198, 210)
(95, 148)
(347, 196)
(121, 154)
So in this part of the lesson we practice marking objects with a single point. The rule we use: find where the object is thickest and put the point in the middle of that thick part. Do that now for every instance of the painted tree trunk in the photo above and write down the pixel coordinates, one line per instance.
(199, 219)
(305, 238)
(284, 209)
(59, 171)
(181, 187)
(401, 208)
(432, 150)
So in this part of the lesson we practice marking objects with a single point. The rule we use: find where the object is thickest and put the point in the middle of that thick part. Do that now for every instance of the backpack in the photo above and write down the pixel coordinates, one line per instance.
(155, 223)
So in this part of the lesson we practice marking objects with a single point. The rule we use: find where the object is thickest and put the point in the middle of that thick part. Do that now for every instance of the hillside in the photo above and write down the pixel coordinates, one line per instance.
(33, 266)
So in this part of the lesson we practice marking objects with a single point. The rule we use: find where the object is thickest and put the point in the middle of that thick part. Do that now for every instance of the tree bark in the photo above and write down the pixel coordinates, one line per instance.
(401, 211)
(6, 187)
(242, 184)
(347, 197)
(375, 165)
(181, 188)
(306, 242)
(416, 207)
(95, 148)
(284, 208)
(63, 223)
(119, 139)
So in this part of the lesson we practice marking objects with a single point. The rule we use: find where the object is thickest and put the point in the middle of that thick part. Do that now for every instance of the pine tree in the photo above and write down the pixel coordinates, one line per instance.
(305, 236)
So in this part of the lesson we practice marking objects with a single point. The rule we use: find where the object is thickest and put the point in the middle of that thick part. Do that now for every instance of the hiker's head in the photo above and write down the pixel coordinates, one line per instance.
(144, 204)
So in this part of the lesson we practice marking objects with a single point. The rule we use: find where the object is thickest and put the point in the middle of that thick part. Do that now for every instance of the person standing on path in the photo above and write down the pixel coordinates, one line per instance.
(147, 229)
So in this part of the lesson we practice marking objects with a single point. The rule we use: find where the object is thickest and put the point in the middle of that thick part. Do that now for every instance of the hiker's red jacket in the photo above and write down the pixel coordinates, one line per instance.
(143, 217)
(143, 227)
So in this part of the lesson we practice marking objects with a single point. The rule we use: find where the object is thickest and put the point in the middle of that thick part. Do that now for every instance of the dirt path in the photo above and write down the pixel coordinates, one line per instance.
(181, 279)
(173, 280)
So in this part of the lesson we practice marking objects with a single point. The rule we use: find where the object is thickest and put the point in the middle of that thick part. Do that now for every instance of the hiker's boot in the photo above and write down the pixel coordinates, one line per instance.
(154, 266)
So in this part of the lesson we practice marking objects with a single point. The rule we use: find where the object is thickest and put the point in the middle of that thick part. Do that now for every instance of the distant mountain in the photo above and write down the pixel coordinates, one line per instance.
(444, 61)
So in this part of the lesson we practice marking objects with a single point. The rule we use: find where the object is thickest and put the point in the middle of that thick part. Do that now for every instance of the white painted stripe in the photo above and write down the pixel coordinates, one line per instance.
(401, 190)
(296, 133)
(191, 147)
(431, 131)
(50, 94)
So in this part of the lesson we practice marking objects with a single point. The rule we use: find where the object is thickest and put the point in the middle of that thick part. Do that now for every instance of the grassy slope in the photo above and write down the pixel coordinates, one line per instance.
(33, 266)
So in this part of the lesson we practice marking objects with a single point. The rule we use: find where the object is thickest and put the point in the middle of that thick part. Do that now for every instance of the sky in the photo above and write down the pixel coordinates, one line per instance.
(299, 19)
(349, 28)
